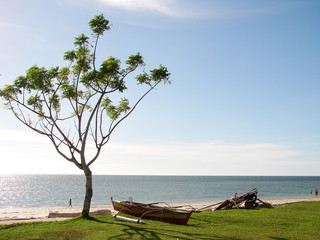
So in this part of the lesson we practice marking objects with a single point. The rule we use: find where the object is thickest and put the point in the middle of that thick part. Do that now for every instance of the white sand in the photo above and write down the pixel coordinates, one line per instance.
(17, 215)
(38, 214)
(276, 202)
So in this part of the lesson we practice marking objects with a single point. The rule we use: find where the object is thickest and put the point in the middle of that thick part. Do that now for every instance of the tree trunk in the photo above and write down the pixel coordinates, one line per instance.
(89, 192)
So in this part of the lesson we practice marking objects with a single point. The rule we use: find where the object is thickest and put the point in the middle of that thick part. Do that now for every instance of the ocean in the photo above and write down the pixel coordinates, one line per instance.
(56, 190)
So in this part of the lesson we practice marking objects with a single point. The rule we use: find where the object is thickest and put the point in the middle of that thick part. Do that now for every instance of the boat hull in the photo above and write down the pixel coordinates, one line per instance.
(149, 211)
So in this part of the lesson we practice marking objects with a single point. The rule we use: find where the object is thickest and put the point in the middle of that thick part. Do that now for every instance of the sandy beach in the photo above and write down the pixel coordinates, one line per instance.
(39, 214)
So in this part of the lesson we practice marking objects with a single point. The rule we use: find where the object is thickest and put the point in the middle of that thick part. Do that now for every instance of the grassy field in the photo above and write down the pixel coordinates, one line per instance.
(295, 221)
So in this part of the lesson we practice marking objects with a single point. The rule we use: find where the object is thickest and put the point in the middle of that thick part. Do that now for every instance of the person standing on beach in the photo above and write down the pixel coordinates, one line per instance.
(70, 203)
(316, 192)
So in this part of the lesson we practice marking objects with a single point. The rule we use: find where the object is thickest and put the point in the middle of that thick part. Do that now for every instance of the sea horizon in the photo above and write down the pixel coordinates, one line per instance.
(178, 175)
(42, 190)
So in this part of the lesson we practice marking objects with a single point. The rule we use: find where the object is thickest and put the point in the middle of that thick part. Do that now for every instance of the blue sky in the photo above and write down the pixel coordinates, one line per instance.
(244, 98)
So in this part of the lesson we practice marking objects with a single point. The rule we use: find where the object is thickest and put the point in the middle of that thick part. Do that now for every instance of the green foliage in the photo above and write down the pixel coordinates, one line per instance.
(68, 103)
(114, 112)
(70, 56)
(35, 102)
(99, 25)
(8, 92)
(81, 41)
(294, 221)
(134, 61)
(55, 102)
(156, 76)
(39, 79)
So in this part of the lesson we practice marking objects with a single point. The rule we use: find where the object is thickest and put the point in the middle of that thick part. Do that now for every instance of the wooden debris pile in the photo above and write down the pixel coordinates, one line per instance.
(247, 200)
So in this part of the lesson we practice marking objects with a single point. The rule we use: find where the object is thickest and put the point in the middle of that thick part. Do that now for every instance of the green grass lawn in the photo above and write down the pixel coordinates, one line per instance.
(295, 221)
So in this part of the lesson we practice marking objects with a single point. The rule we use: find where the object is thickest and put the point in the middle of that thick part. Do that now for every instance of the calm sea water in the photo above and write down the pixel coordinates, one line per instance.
(56, 190)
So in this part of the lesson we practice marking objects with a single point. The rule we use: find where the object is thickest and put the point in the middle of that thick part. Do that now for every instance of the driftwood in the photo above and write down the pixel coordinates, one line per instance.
(265, 204)
(247, 200)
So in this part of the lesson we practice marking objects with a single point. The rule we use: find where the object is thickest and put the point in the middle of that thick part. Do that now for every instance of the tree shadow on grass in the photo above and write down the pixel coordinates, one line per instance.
(138, 231)
(94, 219)
(135, 232)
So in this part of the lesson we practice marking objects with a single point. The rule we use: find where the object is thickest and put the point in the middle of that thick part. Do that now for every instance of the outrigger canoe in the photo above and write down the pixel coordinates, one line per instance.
(151, 211)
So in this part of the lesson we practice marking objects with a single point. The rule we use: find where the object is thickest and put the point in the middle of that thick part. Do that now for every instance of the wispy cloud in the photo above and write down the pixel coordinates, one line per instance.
(20, 136)
(182, 9)
(203, 158)
(167, 7)
(199, 158)
(208, 151)
(315, 137)
(6, 25)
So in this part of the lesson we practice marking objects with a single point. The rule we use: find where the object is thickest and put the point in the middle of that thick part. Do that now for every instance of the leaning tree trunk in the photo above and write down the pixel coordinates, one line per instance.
(89, 192)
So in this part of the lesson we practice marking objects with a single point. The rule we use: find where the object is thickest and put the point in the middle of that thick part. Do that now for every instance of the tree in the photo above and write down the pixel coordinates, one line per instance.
(74, 105)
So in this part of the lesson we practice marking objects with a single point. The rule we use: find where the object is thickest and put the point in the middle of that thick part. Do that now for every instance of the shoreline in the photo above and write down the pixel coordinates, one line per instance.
(40, 214)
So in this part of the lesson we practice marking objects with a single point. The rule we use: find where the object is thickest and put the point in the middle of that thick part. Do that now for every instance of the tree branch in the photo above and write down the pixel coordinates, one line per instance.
(111, 129)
